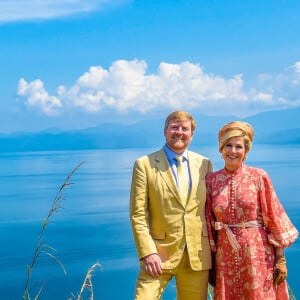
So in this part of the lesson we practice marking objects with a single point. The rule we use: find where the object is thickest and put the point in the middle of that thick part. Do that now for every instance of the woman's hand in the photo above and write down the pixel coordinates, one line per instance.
(280, 270)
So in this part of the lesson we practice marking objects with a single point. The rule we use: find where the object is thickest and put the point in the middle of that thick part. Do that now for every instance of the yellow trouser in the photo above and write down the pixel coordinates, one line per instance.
(190, 285)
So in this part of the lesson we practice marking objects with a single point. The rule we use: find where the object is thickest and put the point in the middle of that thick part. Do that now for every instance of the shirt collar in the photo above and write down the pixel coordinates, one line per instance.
(171, 154)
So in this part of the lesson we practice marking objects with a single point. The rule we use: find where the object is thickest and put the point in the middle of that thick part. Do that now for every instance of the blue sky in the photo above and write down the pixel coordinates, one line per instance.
(73, 64)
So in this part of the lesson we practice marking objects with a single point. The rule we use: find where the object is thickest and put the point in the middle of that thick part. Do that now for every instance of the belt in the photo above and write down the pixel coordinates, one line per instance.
(231, 237)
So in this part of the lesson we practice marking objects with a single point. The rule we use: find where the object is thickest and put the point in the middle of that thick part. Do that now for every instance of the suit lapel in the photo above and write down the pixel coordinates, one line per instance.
(165, 171)
(194, 165)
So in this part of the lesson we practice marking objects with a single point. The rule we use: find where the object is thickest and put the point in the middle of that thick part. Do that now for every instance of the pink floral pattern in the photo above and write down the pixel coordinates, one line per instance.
(236, 198)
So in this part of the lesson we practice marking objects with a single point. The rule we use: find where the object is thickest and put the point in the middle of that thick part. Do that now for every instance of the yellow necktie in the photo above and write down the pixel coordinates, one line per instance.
(182, 180)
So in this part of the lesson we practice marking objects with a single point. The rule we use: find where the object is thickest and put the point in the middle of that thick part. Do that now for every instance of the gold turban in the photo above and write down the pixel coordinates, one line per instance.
(236, 129)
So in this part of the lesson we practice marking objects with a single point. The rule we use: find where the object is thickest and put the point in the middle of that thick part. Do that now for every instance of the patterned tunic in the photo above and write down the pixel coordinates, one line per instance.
(245, 257)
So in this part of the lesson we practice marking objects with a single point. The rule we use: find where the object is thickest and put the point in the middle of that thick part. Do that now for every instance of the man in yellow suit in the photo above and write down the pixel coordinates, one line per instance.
(167, 214)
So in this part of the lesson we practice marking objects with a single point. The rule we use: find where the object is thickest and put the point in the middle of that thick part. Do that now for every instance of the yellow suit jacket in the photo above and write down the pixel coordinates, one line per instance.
(160, 223)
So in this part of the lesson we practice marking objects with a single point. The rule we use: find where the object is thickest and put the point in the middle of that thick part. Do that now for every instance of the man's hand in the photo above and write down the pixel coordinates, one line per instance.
(280, 270)
(152, 265)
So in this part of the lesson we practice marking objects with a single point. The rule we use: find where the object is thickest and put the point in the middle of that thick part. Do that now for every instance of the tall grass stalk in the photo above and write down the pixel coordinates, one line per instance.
(87, 283)
(291, 293)
(41, 247)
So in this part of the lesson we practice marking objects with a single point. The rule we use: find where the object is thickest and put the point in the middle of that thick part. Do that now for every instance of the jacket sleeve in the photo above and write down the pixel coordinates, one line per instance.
(139, 212)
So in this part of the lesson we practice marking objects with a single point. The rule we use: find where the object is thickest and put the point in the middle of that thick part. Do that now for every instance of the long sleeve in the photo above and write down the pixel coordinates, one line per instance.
(282, 232)
(139, 212)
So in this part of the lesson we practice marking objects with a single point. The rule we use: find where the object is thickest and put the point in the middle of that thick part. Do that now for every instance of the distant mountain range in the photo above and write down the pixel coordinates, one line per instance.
(278, 127)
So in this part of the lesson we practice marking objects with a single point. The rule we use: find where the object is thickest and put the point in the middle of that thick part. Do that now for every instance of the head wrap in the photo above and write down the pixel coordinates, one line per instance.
(235, 129)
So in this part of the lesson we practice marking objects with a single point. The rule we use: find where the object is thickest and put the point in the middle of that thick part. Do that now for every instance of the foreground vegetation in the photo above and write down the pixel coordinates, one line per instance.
(43, 248)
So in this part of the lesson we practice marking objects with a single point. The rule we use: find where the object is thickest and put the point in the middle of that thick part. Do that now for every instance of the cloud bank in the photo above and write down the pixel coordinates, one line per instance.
(24, 10)
(126, 87)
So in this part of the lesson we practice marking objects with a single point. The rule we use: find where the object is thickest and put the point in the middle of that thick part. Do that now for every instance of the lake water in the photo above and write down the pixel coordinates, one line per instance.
(93, 225)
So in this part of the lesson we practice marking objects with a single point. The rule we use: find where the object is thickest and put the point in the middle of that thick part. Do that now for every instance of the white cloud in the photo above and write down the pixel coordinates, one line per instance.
(284, 87)
(297, 67)
(22, 10)
(36, 96)
(126, 87)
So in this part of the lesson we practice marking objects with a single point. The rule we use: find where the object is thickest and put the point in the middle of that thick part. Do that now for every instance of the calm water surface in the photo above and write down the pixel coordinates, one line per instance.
(93, 225)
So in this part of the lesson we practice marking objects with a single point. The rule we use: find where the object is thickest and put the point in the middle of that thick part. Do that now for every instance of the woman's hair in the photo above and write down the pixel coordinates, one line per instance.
(236, 129)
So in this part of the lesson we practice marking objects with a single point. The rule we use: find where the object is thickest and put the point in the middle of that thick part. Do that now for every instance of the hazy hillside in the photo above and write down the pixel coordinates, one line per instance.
(271, 127)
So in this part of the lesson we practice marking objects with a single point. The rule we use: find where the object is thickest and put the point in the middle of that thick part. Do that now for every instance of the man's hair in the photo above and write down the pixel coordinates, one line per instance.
(180, 115)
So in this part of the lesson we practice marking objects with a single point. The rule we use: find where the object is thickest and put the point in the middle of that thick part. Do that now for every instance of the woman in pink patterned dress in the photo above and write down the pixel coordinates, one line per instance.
(247, 224)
